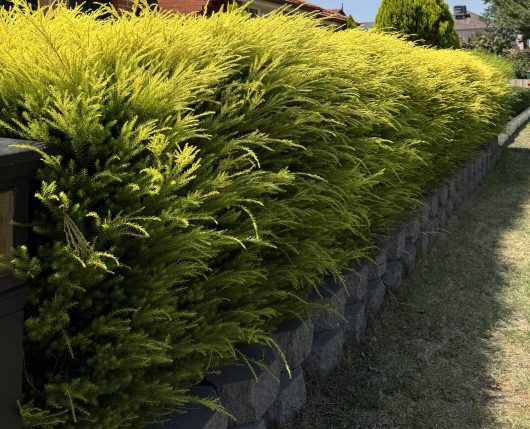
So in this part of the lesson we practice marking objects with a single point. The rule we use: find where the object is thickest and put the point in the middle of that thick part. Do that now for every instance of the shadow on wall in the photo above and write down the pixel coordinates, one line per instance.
(427, 359)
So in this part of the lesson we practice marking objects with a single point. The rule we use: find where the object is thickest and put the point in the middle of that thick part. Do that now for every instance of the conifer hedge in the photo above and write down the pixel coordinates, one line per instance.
(208, 171)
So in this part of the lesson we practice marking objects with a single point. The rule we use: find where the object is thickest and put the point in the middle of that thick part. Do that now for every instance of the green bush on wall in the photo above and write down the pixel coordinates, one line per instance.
(209, 172)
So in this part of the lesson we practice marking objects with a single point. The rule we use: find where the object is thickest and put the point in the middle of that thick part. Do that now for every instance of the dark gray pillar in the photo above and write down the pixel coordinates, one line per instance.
(17, 169)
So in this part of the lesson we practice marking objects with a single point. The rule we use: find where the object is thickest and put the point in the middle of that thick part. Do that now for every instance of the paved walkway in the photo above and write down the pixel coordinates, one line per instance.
(452, 348)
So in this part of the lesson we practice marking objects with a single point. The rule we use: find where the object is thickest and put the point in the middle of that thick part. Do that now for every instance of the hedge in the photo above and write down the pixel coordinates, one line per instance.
(207, 172)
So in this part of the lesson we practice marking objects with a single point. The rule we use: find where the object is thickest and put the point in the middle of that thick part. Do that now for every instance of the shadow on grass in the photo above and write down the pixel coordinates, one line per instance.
(427, 361)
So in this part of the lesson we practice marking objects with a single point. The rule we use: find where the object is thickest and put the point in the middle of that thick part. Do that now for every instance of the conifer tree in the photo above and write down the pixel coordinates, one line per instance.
(350, 23)
(428, 22)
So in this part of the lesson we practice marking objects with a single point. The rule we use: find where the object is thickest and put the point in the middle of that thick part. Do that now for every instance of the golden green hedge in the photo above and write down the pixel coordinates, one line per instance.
(209, 172)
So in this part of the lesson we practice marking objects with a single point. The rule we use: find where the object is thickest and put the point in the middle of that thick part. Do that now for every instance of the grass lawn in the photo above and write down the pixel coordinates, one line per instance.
(452, 348)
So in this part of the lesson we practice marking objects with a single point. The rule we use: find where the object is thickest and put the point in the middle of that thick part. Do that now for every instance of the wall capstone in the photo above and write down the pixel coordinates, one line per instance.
(291, 398)
(295, 338)
(247, 394)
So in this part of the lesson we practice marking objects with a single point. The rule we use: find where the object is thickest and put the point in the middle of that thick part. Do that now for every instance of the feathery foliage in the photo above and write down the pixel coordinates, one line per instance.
(428, 22)
(208, 172)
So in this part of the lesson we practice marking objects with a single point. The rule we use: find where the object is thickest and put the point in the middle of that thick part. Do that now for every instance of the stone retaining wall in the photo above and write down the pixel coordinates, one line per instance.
(268, 396)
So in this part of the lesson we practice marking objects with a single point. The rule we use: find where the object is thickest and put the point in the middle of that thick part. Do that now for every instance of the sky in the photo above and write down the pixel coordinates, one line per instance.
(365, 10)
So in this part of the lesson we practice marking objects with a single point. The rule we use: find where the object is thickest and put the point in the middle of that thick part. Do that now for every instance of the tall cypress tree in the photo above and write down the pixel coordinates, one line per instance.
(350, 23)
(428, 22)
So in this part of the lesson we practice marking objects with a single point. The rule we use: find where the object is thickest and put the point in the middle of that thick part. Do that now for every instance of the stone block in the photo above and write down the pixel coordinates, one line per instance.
(244, 393)
(377, 265)
(424, 215)
(451, 187)
(291, 398)
(450, 206)
(409, 258)
(435, 223)
(412, 229)
(393, 275)
(376, 296)
(325, 355)
(461, 183)
(470, 167)
(255, 425)
(356, 316)
(196, 416)
(465, 189)
(329, 302)
(443, 195)
(422, 244)
(295, 337)
(395, 244)
(433, 203)
(356, 283)
(442, 218)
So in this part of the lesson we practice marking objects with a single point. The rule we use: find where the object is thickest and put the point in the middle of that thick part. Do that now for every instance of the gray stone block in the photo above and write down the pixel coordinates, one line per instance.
(466, 188)
(443, 218)
(395, 244)
(377, 265)
(291, 398)
(443, 195)
(330, 303)
(325, 355)
(244, 393)
(433, 203)
(409, 258)
(295, 338)
(435, 224)
(422, 244)
(196, 416)
(461, 183)
(356, 316)
(424, 215)
(450, 206)
(412, 230)
(376, 296)
(255, 425)
(451, 187)
(356, 283)
(393, 275)
(470, 166)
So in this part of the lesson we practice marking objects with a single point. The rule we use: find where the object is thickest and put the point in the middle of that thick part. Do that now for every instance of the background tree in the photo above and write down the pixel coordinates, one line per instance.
(510, 15)
(428, 22)
(350, 23)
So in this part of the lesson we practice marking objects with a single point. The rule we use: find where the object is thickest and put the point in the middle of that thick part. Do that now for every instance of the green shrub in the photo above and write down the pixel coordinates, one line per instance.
(428, 22)
(520, 100)
(209, 172)
(520, 61)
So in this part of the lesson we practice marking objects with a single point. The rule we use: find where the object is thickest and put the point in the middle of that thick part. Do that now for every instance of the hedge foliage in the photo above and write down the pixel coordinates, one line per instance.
(208, 172)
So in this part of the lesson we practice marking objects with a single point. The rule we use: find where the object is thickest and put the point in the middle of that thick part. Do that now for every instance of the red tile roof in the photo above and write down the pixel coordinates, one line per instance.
(336, 15)
(190, 6)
